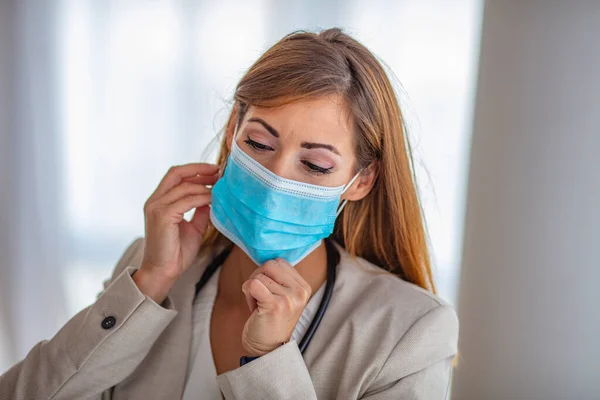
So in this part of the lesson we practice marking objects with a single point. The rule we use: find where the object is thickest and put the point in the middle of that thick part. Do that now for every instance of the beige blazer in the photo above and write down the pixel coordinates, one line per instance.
(381, 338)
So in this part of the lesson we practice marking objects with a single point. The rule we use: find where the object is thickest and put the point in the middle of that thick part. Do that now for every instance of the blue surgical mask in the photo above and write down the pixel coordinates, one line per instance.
(268, 216)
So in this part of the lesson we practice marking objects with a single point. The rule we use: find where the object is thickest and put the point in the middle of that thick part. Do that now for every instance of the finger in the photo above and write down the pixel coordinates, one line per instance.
(251, 301)
(298, 287)
(273, 286)
(263, 296)
(182, 190)
(202, 179)
(293, 272)
(255, 272)
(302, 289)
(281, 272)
(185, 204)
(201, 218)
(175, 175)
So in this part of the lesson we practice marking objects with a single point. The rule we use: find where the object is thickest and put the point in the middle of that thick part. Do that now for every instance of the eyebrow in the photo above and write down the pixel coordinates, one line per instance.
(304, 145)
(307, 145)
(268, 127)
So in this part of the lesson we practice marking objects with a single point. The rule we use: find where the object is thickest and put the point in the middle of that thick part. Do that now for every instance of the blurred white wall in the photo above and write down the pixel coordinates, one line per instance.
(31, 263)
(529, 295)
(109, 94)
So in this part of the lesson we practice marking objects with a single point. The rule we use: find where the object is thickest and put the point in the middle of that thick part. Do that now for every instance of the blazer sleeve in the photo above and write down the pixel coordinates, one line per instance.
(280, 374)
(98, 347)
(420, 365)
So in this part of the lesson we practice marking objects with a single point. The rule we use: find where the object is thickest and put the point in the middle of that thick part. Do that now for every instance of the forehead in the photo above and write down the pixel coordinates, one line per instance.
(323, 119)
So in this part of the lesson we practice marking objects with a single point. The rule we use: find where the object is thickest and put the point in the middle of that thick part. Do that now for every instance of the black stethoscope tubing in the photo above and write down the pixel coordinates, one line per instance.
(333, 258)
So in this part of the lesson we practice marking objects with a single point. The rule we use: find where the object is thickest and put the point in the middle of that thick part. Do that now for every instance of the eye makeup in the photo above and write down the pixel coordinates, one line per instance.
(315, 160)
(257, 146)
(315, 169)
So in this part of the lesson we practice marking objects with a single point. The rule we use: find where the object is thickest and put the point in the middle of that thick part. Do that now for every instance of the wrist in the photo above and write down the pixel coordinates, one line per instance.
(253, 352)
(248, 358)
(153, 284)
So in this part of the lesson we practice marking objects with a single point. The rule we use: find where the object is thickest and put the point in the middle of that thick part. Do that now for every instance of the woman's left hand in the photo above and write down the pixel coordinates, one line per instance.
(276, 295)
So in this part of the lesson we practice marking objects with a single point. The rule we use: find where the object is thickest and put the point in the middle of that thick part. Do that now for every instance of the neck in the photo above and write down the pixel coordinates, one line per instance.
(238, 267)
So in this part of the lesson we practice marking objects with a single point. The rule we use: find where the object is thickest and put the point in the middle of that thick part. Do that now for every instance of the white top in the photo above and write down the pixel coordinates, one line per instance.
(202, 374)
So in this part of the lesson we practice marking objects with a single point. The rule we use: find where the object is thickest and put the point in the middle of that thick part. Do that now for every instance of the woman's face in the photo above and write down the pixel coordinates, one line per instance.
(309, 141)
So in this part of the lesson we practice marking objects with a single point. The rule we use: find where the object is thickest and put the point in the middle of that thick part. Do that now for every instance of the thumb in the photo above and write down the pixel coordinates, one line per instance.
(250, 300)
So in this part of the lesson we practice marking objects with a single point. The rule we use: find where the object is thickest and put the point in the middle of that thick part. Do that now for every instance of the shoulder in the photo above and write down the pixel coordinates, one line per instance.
(379, 284)
(401, 311)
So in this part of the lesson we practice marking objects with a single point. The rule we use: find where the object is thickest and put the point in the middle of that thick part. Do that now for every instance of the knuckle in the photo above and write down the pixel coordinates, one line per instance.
(254, 273)
(155, 213)
(185, 186)
(150, 209)
(282, 262)
(301, 293)
(153, 209)
(146, 207)
(269, 267)
(288, 305)
(306, 296)
(189, 188)
(307, 290)
(193, 187)
(254, 284)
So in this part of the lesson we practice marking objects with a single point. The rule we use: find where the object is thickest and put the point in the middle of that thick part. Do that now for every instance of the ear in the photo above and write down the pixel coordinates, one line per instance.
(363, 184)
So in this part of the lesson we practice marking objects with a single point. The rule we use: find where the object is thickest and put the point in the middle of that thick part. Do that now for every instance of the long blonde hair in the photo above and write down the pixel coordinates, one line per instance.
(386, 227)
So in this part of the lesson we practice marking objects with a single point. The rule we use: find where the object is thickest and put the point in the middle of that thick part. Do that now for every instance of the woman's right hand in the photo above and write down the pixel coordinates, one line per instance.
(171, 242)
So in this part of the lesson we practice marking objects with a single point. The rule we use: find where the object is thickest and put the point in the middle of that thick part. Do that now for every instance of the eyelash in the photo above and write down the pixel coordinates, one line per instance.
(315, 169)
(312, 168)
(258, 146)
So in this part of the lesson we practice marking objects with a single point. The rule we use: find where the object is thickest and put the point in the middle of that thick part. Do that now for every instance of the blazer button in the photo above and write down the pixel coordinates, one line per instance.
(109, 322)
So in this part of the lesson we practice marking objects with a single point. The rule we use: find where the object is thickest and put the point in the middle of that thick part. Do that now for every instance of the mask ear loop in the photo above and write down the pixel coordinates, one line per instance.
(235, 132)
(344, 191)
(233, 139)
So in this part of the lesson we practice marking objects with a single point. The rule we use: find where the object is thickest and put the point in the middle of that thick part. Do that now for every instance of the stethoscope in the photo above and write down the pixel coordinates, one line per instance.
(333, 258)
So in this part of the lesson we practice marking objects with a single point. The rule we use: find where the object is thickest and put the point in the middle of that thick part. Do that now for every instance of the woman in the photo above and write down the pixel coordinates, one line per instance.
(314, 148)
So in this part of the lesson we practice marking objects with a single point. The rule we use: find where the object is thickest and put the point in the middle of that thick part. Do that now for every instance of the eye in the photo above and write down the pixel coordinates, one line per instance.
(315, 169)
(258, 146)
